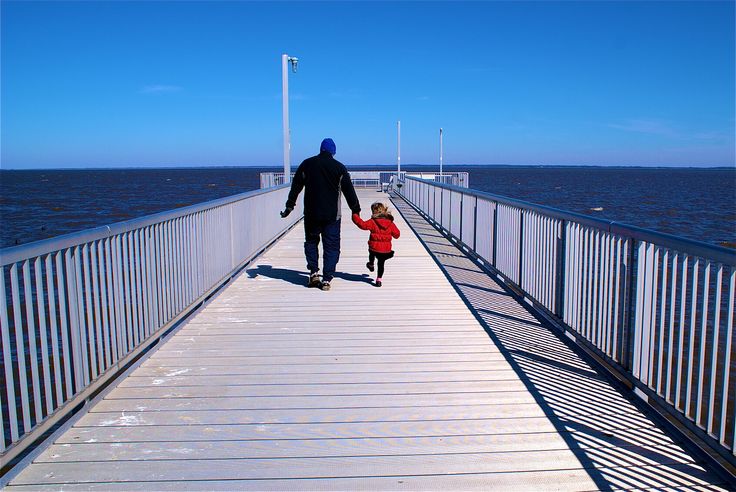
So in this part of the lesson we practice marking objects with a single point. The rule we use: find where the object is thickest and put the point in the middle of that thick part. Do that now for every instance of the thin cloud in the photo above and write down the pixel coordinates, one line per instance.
(663, 129)
(158, 89)
(350, 94)
(713, 136)
(651, 127)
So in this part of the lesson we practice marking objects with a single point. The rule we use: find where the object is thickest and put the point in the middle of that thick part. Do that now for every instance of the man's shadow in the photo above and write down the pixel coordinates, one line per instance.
(299, 278)
(352, 277)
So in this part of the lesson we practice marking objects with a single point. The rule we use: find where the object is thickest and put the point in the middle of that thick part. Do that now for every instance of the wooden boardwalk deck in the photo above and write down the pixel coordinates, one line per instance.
(439, 380)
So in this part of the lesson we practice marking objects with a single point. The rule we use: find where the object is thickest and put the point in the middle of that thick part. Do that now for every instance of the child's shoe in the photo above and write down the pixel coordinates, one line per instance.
(378, 282)
(314, 280)
(325, 285)
(369, 266)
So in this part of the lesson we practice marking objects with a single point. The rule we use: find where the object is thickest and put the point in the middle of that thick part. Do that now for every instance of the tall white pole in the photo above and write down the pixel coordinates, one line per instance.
(285, 98)
(440, 153)
(398, 149)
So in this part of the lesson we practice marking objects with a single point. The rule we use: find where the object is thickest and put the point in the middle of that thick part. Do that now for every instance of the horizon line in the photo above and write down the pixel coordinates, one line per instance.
(355, 166)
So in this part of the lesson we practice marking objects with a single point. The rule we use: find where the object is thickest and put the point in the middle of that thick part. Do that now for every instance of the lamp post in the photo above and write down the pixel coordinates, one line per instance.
(440, 154)
(398, 149)
(285, 60)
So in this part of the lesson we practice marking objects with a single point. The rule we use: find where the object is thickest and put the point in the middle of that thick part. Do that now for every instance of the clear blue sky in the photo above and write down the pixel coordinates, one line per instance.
(164, 83)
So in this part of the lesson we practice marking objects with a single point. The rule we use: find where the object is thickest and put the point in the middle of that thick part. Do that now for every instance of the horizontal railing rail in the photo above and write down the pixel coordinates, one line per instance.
(658, 307)
(459, 178)
(75, 309)
(377, 179)
(360, 179)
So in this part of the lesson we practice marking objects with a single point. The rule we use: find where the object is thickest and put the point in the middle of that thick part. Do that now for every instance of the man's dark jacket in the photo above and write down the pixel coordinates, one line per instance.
(323, 178)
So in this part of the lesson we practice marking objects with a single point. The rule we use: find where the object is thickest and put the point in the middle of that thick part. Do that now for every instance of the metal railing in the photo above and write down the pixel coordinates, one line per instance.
(377, 179)
(459, 178)
(658, 307)
(77, 308)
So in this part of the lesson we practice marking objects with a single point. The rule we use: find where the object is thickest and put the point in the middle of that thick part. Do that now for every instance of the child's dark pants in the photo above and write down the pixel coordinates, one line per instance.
(382, 257)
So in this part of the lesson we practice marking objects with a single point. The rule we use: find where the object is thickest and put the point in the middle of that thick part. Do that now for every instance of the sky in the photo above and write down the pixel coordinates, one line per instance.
(149, 84)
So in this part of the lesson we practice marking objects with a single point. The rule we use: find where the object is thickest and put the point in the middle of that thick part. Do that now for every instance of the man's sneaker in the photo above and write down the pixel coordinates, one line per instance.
(314, 280)
(369, 266)
(325, 285)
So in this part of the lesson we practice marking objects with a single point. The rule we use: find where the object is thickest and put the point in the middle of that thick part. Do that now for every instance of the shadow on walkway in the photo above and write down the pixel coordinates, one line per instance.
(353, 277)
(617, 444)
(285, 274)
(300, 278)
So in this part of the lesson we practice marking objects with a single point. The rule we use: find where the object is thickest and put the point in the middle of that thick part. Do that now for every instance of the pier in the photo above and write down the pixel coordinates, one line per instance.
(510, 348)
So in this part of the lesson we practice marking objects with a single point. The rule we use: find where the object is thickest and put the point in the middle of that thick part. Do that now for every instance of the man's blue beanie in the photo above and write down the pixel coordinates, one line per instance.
(328, 145)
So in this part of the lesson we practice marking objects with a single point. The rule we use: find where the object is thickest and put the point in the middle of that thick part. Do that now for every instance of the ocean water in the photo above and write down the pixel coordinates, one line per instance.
(695, 203)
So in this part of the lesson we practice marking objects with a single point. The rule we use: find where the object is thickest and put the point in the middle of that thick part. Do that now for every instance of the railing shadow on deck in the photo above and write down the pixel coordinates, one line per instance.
(616, 444)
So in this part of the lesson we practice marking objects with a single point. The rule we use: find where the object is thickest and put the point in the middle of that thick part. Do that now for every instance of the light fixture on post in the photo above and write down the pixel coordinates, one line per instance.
(285, 60)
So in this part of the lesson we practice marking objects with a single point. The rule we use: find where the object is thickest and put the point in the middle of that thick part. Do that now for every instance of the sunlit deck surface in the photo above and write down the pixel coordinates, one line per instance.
(439, 380)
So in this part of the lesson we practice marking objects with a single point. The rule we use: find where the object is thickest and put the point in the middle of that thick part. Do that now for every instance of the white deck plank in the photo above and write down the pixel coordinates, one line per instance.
(319, 415)
(309, 402)
(517, 482)
(340, 378)
(295, 448)
(172, 369)
(262, 390)
(300, 468)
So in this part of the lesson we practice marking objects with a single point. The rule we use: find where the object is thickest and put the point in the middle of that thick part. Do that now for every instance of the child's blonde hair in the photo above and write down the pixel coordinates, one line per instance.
(378, 209)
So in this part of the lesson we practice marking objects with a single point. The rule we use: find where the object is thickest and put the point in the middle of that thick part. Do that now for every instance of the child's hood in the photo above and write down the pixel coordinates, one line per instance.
(384, 222)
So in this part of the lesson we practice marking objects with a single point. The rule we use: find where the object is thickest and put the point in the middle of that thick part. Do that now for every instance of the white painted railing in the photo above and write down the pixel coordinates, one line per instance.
(76, 309)
(377, 179)
(658, 307)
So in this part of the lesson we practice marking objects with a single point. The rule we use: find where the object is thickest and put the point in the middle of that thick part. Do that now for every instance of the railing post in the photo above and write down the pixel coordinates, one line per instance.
(561, 265)
(76, 353)
(521, 248)
(442, 207)
(475, 223)
(628, 299)
(495, 232)
(462, 204)
(428, 188)
(232, 237)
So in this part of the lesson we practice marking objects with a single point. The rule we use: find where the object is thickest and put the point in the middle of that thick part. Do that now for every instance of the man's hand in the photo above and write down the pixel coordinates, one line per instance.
(286, 212)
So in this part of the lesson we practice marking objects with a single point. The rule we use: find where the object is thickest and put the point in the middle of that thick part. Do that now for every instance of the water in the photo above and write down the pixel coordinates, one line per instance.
(695, 203)
(41, 204)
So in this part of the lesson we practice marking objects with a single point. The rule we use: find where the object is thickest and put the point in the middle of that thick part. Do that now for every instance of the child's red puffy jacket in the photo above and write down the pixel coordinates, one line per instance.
(382, 230)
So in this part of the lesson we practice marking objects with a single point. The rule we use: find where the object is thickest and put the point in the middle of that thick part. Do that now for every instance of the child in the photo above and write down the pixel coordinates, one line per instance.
(382, 228)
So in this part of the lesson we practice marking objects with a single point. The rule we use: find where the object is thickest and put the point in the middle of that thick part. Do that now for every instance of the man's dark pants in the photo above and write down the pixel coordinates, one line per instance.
(329, 231)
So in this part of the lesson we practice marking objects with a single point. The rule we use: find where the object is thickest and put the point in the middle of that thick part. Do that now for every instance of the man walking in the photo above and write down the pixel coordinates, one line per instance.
(324, 178)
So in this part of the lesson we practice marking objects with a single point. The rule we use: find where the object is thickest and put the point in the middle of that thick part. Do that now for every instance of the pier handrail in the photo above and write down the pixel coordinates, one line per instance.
(657, 308)
(78, 308)
(378, 179)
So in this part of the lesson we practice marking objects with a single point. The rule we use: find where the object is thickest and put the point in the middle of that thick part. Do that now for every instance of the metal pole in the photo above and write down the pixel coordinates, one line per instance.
(441, 155)
(285, 98)
(398, 150)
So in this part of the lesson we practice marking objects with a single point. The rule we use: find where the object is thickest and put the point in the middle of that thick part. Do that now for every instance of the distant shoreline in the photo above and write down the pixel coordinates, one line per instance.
(369, 166)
